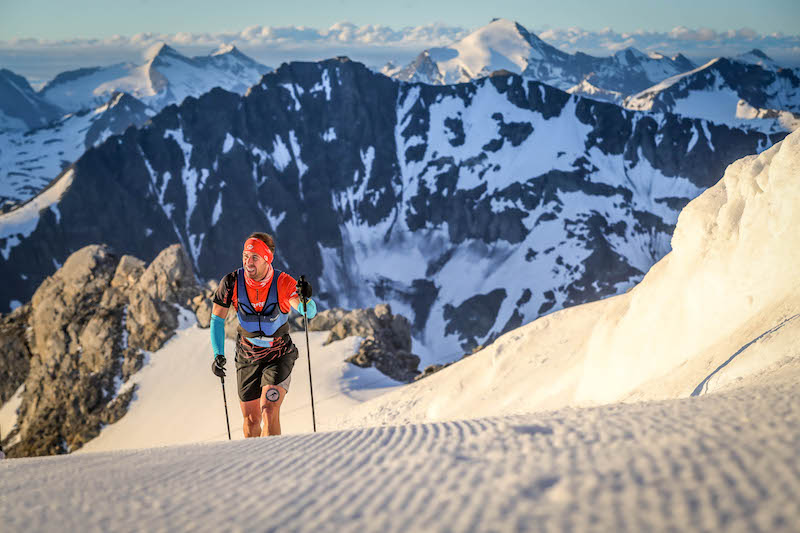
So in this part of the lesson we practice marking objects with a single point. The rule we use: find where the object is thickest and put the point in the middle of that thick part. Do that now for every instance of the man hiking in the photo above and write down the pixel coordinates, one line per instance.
(265, 353)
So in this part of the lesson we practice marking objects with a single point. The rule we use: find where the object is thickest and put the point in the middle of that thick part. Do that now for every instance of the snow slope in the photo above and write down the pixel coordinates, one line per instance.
(722, 306)
(724, 462)
(30, 160)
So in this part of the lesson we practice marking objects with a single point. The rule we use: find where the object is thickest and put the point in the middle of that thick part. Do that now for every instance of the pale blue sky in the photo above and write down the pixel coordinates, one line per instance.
(66, 19)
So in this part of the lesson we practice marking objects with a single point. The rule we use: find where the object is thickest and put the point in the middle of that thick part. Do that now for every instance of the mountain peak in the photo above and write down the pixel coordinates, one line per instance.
(226, 48)
(161, 49)
(757, 57)
(631, 52)
(758, 53)
(509, 27)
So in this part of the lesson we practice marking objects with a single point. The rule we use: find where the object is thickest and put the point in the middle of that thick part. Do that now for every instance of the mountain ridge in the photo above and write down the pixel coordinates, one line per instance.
(165, 77)
(505, 44)
(730, 91)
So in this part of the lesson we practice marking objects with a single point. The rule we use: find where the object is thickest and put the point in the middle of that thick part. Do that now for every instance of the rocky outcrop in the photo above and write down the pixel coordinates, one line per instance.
(386, 343)
(87, 325)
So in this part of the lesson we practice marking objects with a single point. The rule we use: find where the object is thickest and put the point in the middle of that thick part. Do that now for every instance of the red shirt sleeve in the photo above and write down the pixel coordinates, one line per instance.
(287, 289)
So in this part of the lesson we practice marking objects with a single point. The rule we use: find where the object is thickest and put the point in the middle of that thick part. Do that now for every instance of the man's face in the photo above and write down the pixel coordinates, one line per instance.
(254, 265)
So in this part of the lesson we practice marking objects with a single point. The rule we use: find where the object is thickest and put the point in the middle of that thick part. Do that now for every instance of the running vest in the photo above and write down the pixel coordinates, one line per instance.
(266, 322)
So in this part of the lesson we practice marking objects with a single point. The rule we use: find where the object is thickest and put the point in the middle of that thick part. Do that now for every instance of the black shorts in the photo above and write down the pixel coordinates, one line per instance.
(253, 376)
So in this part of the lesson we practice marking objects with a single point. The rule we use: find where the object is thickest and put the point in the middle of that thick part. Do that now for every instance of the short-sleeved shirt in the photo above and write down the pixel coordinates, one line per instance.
(226, 292)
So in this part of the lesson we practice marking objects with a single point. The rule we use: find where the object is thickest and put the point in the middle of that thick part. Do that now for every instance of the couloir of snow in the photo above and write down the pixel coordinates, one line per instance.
(717, 319)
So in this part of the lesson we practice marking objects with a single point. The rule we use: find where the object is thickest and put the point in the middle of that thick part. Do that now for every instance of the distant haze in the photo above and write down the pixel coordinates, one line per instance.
(40, 59)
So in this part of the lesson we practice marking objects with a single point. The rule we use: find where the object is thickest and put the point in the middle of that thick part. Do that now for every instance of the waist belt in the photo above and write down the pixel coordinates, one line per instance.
(255, 351)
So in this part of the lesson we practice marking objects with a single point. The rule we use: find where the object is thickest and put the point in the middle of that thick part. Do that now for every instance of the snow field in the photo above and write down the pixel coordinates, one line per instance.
(8, 412)
(721, 462)
(179, 401)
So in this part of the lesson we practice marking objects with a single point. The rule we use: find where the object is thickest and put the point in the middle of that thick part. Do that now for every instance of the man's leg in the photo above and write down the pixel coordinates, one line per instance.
(271, 400)
(251, 411)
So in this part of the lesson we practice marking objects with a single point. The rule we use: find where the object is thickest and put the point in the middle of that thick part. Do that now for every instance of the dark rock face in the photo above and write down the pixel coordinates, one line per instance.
(376, 190)
(19, 101)
(474, 318)
(16, 357)
(422, 69)
(88, 323)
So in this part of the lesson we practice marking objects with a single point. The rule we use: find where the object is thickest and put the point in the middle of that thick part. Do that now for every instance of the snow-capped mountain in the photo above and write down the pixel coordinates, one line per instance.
(166, 77)
(29, 161)
(21, 108)
(585, 88)
(471, 208)
(741, 92)
(506, 45)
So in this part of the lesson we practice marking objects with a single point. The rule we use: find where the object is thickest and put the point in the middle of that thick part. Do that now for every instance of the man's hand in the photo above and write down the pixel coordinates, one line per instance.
(218, 366)
(312, 309)
(303, 288)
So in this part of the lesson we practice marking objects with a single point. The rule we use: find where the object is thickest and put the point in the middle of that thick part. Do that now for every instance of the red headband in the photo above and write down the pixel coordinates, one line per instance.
(257, 245)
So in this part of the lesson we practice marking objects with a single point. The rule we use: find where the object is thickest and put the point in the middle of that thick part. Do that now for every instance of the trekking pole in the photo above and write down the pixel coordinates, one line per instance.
(308, 350)
(225, 400)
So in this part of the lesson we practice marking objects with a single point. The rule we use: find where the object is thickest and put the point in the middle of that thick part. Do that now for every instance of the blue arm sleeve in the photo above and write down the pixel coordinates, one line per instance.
(312, 308)
(217, 335)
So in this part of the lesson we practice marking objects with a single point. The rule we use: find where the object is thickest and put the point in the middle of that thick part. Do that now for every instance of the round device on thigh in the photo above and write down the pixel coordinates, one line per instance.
(273, 395)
